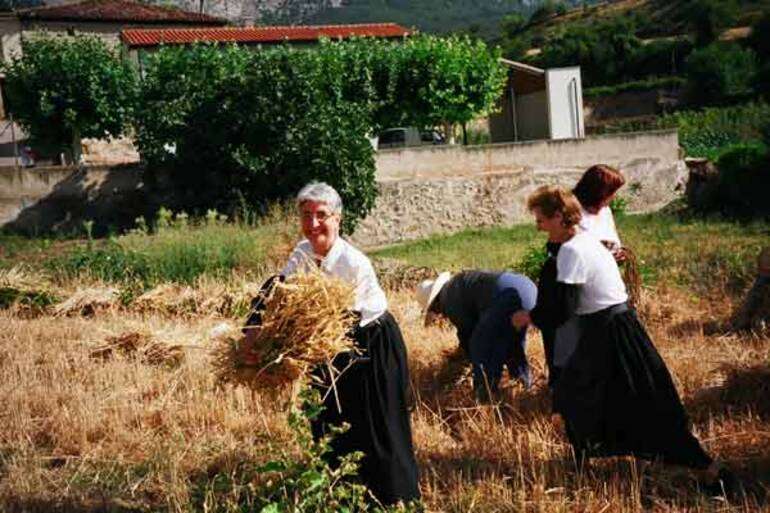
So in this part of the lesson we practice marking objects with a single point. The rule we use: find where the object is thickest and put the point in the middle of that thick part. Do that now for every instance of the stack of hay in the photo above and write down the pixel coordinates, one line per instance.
(305, 323)
(89, 301)
(142, 346)
(395, 275)
(23, 293)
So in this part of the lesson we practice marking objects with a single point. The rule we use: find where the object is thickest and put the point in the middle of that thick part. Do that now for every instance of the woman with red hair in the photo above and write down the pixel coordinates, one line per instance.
(595, 190)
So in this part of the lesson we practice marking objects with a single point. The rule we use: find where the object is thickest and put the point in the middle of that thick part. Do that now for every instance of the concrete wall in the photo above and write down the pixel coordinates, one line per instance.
(424, 191)
(59, 198)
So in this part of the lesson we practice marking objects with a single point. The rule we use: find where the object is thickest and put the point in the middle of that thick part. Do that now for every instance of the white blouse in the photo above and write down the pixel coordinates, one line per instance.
(349, 264)
(584, 261)
(601, 225)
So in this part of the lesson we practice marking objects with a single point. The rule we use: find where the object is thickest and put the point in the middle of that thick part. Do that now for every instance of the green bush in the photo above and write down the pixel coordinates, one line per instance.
(708, 132)
(720, 72)
(744, 180)
(709, 17)
(253, 127)
(63, 89)
(532, 261)
(638, 85)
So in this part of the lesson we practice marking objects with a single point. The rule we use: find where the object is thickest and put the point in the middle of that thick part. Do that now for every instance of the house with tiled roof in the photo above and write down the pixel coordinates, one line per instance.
(141, 40)
(103, 18)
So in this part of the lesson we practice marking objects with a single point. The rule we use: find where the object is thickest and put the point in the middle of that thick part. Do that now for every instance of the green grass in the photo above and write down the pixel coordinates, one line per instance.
(697, 253)
(493, 248)
(693, 252)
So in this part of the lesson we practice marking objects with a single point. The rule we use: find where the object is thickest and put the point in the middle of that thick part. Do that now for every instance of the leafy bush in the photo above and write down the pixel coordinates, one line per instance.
(532, 261)
(707, 132)
(230, 126)
(638, 85)
(719, 72)
(63, 89)
(309, 484)
(709, 17)
(744, 179)
(604, 50)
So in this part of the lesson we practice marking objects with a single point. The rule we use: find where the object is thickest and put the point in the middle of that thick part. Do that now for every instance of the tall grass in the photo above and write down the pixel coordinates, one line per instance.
(178, 250)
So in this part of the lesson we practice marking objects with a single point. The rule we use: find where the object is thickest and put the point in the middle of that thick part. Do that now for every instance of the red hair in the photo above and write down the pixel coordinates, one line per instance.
(598, 183)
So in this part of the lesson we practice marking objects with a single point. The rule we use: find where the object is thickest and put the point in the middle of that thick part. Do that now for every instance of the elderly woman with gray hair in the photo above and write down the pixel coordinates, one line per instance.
(373, 388)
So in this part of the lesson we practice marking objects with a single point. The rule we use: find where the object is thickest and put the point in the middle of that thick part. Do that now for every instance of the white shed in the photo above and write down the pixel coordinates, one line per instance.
(539, 104)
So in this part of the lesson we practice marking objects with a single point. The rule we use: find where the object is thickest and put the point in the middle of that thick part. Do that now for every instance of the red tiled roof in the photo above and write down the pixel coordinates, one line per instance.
(116, 11)
(152, 37)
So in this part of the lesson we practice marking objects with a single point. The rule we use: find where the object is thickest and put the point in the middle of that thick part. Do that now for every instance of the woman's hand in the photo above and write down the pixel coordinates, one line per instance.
(521, 319)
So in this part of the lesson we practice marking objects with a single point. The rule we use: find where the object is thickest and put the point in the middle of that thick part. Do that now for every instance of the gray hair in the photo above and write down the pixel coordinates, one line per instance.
(322, 193)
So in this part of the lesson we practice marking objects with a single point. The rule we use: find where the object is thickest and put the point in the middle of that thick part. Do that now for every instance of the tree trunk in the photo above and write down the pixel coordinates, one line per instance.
(77, 147)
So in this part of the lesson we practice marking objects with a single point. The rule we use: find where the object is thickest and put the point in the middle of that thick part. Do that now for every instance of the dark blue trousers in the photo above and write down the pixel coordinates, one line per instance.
(494, 342)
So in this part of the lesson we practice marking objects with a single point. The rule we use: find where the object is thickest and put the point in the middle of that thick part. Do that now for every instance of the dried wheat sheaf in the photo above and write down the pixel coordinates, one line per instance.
(305, 323)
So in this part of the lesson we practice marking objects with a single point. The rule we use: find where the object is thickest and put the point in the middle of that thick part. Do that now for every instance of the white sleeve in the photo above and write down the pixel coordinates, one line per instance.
(571, 267)
(297, 260)
(369, 294)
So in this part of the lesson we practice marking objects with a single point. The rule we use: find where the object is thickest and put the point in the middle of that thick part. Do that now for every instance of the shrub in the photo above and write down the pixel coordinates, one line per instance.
(708, 18)
(229, 125)
(719, 72)
(707, 132)
(63, 89)
(744, 180)
(532, 261)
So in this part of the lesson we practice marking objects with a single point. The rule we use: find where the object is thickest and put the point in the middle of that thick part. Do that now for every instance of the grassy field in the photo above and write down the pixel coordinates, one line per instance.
(83, 432)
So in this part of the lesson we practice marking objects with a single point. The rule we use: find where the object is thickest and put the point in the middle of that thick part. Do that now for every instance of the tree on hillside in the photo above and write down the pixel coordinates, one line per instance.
(605, 51)
(64, 89)
(719, 72)
(709, 17)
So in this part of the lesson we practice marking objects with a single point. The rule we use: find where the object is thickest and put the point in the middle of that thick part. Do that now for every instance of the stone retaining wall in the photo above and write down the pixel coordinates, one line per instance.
(431, 190)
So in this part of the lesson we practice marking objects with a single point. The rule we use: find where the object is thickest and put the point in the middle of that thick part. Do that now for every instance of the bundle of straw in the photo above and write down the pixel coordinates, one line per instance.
(142, 346)
(305, 323)
(23, 292)
(631, 277)
(88, 301)
(168, 299)
(395, 275)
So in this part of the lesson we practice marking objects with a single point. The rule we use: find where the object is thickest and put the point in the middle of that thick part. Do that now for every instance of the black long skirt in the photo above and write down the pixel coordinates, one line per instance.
(617, 396)
(373, 394)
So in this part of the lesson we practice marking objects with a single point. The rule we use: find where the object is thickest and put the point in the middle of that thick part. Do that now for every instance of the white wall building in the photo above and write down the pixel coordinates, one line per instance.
(539, 104)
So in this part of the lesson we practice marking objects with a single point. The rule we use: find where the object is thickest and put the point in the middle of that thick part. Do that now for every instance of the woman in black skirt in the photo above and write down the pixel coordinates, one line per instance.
(372, 392)
(614, 393)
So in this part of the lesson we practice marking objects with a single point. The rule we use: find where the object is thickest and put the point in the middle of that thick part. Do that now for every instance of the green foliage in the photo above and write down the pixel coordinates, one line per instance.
(253, 127)
(179, 250)
(63, 89)
(36, 300)
(603, 50)
(532, 261)
(744, 180)
(308, 484)
(619, 206)
(720, 72)
(709, 17)
(707, 132)
(759, 40)
(638, 85)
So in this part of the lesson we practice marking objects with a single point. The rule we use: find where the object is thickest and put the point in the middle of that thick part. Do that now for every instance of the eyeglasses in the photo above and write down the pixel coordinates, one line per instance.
(319, 216)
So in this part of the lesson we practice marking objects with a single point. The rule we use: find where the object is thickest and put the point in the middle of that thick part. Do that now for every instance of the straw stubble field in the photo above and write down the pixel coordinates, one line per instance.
(117, 407)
